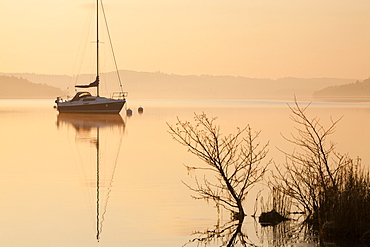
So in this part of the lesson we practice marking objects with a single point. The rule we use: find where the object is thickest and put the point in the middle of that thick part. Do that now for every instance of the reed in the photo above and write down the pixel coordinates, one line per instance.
(346, 211)
(332, 189)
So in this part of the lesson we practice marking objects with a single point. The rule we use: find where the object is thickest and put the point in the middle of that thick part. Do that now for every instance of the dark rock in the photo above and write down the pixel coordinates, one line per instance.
(271, 218)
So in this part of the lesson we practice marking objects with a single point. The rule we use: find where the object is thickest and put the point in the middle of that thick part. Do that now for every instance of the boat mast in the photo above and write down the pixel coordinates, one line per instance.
(97, 46)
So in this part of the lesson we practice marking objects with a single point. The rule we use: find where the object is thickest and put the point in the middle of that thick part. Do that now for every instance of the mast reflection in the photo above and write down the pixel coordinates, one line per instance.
(90, 127)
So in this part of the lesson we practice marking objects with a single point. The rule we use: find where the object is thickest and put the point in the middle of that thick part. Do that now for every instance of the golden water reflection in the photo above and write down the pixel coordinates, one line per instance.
(89, 128)
(48, 170)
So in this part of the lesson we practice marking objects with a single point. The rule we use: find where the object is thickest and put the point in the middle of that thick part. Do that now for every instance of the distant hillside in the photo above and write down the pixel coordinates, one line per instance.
(59, 81)
(157, 85)
(18, 88)
(351, 90)
(160, 85)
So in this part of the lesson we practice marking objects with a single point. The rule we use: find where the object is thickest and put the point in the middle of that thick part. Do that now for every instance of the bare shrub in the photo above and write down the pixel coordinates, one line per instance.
(234, 161)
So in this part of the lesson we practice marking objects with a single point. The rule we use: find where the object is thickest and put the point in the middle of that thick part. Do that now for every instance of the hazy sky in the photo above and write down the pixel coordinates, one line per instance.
(253, 38)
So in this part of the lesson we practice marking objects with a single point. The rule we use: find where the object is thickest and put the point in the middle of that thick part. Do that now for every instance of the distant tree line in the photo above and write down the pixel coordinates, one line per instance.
(351, 90)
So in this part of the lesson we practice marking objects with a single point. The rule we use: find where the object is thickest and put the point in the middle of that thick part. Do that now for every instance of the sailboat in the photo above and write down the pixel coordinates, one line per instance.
(84, 102)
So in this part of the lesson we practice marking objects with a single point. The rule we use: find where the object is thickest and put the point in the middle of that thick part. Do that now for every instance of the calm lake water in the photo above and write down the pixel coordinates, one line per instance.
(53, 194)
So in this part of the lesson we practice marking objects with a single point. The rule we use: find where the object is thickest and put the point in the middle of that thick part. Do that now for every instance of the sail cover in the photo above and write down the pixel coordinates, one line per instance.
(92, 84)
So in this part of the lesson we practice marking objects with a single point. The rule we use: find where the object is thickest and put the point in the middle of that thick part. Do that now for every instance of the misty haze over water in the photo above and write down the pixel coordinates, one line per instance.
(157, 85)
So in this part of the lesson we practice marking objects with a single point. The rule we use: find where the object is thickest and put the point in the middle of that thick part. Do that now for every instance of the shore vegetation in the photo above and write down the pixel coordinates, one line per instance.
(332, 189)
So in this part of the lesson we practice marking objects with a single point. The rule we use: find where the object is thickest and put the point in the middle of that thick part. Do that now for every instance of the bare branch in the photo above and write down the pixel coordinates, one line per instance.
(235, 160)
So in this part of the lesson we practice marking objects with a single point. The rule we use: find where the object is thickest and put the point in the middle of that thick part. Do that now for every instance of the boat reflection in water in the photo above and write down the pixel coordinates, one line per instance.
(103, 133)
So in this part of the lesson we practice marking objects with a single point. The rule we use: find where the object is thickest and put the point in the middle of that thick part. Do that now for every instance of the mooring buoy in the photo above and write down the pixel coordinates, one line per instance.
(140, 109)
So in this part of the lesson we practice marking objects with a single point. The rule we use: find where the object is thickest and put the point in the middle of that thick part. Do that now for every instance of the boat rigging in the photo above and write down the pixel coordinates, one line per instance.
(85, 102)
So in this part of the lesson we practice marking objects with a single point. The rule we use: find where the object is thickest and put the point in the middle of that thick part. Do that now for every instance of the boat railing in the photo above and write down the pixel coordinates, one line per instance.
(59, 99)
(119, 95)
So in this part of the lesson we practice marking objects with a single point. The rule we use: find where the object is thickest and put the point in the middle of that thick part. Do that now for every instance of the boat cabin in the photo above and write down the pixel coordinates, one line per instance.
(82, 96)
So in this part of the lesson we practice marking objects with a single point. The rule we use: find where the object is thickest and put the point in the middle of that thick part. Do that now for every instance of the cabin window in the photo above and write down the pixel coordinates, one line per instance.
(80, 95)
